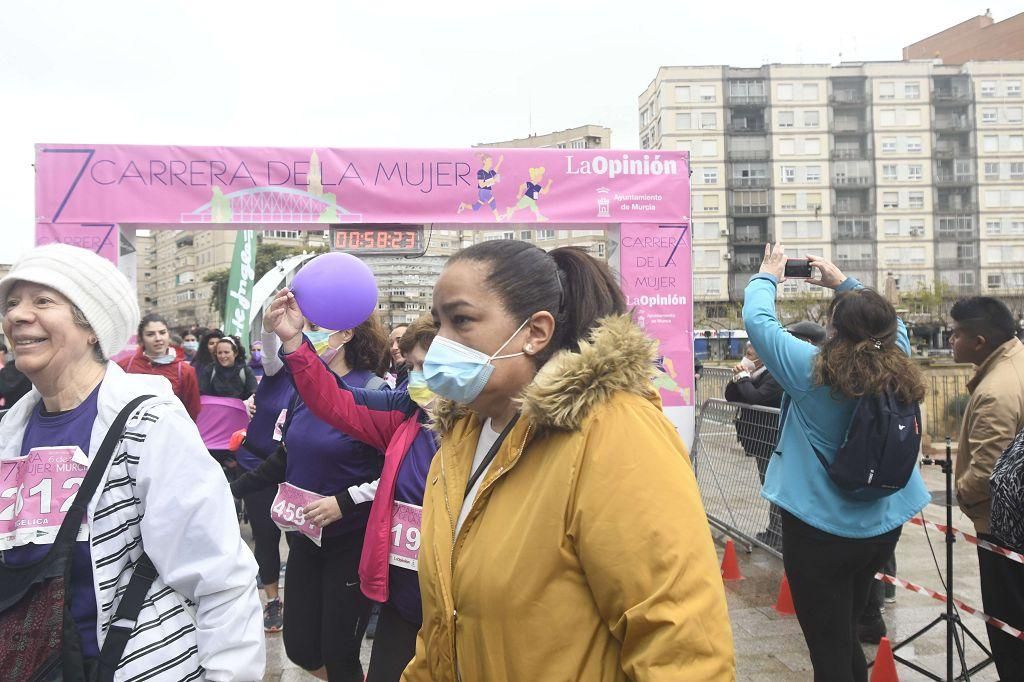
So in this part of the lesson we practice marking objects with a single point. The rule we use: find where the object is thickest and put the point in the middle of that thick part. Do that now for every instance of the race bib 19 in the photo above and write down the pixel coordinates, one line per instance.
(405, 535)
(36, 491)
(286, 511)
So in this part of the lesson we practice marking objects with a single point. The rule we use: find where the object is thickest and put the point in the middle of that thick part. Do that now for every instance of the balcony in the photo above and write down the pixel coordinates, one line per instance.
(848, 98)
(849, 155)
(950, 179)
(747, 128)
(850, 127)
(852, 210)
(846, 264)
(953, 124)
(852, 180)
(945, 209)
(747, 99)
(750, 209)
(751, 183)
(746, 266)
(749, 239)
(952, 152)
(749, 155)
(954, 96)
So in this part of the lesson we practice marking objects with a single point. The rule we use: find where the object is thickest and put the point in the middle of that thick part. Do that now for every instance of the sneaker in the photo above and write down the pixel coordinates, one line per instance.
(273, 616)
(890, 594)
(871, 631)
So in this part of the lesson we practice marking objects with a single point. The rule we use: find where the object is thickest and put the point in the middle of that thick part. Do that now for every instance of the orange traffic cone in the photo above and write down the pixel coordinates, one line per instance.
(784, 603)
(730, 564)
(884, 669)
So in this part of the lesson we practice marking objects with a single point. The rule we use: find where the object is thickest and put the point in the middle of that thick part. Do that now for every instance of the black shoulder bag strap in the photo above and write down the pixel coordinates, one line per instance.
(113, 646)
(489, 457)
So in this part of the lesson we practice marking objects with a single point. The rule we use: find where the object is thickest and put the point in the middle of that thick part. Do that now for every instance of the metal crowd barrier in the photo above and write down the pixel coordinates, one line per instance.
(732, 443)
(712, 383)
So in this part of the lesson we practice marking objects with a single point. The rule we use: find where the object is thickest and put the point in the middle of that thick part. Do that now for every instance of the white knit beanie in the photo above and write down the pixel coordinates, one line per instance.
(89, 281)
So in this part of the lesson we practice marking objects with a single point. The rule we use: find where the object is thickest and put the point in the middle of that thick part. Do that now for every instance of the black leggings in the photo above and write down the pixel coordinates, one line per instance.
(830, 578)
(265, 534)
(327, 613)
(393, 646)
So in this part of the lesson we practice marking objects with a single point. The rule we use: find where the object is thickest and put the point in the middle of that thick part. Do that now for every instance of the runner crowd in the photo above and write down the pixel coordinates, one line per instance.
(495, 482)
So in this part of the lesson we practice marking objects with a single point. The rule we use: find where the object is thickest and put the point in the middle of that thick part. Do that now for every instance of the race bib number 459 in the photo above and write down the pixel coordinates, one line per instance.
(286, 511)
(36, 491)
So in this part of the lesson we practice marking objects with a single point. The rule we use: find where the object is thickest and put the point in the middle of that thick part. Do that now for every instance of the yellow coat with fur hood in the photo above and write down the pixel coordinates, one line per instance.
(587, 554)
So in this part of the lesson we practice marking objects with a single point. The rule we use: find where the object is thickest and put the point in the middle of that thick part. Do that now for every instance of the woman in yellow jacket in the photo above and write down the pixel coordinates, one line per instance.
(563, 536)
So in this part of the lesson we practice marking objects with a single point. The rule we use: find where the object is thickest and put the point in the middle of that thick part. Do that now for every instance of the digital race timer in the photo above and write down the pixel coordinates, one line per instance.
(383, 240)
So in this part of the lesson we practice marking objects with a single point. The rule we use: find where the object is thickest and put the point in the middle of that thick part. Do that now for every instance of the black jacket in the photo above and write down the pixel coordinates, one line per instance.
(756, 431)
(13, 384)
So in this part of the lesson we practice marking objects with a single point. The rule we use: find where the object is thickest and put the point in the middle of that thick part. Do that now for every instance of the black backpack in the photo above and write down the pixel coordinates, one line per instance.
(1007, 485)
(880, 450)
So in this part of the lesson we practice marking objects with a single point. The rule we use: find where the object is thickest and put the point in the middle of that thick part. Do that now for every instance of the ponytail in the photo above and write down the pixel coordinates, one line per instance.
(576, 288)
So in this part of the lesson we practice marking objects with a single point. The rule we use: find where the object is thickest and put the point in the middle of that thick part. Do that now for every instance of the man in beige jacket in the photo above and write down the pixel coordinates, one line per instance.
(983, 334)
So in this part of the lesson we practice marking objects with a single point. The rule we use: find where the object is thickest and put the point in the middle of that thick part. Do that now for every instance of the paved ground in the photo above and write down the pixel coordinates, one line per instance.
(771, 647)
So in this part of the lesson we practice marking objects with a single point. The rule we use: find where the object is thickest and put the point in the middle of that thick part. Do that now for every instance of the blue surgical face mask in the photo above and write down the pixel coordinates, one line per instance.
(458, 372)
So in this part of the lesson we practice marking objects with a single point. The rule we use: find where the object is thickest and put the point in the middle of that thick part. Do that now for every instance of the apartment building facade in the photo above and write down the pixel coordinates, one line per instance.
(909, 171)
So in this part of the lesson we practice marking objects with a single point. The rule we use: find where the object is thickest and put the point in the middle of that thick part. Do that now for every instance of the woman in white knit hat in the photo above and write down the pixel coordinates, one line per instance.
(119, 544)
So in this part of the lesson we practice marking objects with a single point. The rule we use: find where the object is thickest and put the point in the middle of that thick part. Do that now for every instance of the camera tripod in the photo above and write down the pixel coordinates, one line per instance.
(956, 630)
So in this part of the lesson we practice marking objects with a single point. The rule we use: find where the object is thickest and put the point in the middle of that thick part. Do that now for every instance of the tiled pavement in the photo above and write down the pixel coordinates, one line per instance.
(770, 647)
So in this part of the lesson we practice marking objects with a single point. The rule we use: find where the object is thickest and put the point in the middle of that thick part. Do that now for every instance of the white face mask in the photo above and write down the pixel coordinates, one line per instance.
(748, 364)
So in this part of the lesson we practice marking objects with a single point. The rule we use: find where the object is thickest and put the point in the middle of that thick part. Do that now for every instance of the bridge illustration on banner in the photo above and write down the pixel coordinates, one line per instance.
(271, 205)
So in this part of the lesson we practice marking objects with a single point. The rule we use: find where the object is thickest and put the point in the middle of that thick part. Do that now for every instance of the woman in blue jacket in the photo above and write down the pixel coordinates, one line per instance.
(832, 543)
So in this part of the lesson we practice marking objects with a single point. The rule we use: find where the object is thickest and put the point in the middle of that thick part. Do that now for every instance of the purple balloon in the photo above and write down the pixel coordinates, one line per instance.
(336, 291)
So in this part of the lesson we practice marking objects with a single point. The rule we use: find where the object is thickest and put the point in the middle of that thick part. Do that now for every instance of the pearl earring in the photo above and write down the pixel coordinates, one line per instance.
(529, 349)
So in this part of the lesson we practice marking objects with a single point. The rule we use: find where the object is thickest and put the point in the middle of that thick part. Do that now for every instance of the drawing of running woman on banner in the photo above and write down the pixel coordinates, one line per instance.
(486, 178)
(529, 192)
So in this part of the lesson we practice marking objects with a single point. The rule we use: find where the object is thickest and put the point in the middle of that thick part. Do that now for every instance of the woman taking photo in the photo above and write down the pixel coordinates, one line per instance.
(563, 533)
(228, 376)
(326, 614)
(159, 531)
(832, 542)
(394, 422)
(156, 356)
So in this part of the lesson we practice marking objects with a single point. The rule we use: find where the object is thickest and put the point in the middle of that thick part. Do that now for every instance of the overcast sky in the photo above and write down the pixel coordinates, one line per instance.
(387, 74)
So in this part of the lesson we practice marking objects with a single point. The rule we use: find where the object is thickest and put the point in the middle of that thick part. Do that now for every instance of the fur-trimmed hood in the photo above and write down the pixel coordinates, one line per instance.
(618, 356)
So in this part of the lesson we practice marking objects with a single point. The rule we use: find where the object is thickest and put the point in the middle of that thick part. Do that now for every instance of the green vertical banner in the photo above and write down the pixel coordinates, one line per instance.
(238, 307)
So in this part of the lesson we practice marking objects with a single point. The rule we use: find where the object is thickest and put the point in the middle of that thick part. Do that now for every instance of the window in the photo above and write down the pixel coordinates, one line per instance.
(991, 170)
(988, 88)
(814, 201)
(890, 199)
(788, 174)
(1017, 170)
(1016, 143)
(912, 117)
(787, 147)
(914, 144)
(914, 171)
(812, 119)
(886, 91)
(812, 146)
(1014, 114)
(992, 199)
(993, 227)
(1013, 88)
(545, 235)
(814, 230)
(809, 92)
(708, 258)
(707, 93)
(995, 281)
(788, 201)
(1017, 227)
(684, 145)
(682, 93)
(526, 235)
(989, 115)
(708, 120)
(887, 117)
(990, 143)
(888, 145)
(892, 228)
(710, 203)
(706, 230)
(786, 119)
(708, 286)
(814, 174)
(912, 90)
(789, 230)
(916, 227)
(784, 91)
(710, 176)
(915, 199)
(683, 121)
(889, 171)
(709, 148)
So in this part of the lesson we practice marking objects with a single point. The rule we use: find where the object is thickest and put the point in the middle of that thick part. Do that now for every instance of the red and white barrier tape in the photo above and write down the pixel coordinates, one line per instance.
(963, 606)
(984, 544)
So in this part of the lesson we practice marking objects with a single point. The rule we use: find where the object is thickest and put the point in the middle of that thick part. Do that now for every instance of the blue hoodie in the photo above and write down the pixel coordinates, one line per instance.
(811, 416)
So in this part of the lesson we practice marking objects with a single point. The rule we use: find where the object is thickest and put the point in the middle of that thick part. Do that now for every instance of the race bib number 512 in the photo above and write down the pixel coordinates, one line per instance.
(36, 492)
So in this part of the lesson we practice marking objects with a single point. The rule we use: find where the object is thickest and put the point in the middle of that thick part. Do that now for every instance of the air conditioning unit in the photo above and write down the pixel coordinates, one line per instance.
(916, 231)
(727, 256)
(724, 232)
